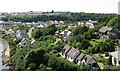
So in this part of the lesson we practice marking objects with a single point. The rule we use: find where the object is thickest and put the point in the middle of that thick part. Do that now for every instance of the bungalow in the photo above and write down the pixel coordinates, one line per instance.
(107, 32)
(115, 58)
(66, 35)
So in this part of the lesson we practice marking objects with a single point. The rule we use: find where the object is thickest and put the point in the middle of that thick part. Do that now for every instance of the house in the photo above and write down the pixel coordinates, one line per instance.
(8, 24)
(65, 50)
(24, 41)
(66, 35)
(74, 55)
(79, 59)
(81, 24)
(61, 22)
(71, 26)
(115, 58)
(107, 32)
(8, 31)
(29, 24)
(85, 60)
(57, 33)
(91, 24)
(89, 60)
(20, 34)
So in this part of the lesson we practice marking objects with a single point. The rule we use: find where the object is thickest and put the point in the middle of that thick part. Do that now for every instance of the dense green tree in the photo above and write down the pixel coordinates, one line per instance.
(37, 33)
(79, 30)
(52, 29)
(18, 27)
(60, 64)
(64, 16)
(35, 56)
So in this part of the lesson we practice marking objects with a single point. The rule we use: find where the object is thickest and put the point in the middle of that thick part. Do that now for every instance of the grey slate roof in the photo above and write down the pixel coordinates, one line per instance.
(89, 59)
(21, 34)
(77, 55)
(24, 41)
(116, 54)
(73, 53)
(105, 29)
(81, 56)
(66, 49)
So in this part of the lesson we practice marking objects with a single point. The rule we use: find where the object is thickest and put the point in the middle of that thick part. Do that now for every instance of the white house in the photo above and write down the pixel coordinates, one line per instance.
(81, 24)
(91, 24)
(8, 31)
(115, 58)
(66, 35)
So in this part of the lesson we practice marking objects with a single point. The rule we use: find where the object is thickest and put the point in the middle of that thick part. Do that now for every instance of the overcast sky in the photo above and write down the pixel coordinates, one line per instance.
(92, 6)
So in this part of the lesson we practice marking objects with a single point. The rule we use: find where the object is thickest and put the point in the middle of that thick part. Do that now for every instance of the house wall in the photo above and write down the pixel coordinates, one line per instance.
(19, 36)
(79, 62)
(63, 55)
(117, 61)
(70, 59)
(83, 61)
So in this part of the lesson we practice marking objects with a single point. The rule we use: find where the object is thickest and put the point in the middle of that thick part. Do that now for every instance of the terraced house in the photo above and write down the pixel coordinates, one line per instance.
(74, 55)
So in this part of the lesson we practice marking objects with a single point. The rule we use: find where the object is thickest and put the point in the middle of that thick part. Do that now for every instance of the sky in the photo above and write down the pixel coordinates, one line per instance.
(91, 6)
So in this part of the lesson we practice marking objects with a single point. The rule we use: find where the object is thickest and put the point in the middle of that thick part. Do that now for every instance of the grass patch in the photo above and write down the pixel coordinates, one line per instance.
(96, 41)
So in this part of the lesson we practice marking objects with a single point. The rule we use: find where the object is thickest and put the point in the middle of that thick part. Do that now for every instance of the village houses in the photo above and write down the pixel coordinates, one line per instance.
(108, 33)
(115, 58)
(74, 55)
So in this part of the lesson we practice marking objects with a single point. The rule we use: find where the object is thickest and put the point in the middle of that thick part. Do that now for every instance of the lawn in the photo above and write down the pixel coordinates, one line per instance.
(96, 41)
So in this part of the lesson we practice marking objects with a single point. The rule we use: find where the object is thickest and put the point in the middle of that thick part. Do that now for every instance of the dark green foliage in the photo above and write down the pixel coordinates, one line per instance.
(104, 46)
(39, 32)
(85, 44)
(64, 16)
(80, 30)
(60, 64)
(11, 39)
(59, 47)
(91, 33)
(35, 56)
(15, 28)
(52, 29)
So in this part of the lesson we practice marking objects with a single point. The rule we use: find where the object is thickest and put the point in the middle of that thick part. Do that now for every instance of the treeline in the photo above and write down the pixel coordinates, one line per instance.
(63, 16)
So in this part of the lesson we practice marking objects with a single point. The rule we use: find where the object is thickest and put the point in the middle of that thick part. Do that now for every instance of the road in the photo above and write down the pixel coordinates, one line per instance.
(30, 34)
